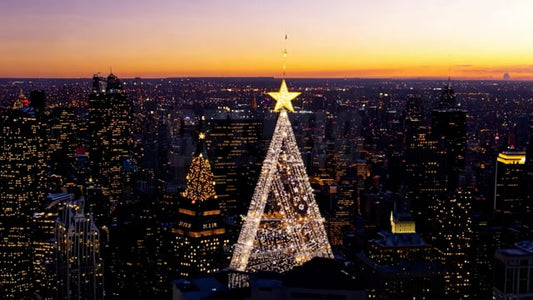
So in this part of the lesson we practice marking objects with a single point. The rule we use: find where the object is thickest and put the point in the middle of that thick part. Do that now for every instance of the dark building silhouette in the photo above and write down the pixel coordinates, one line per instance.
(400, 264)
(435, 159)
(235, 150)
(513, 272)
(109, 136)
(527, 179)
(448, 129)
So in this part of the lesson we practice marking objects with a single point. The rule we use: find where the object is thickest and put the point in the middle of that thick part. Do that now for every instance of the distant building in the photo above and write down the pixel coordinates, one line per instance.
(344, 219)
(513, 272)
(506, 76)
(79, 266)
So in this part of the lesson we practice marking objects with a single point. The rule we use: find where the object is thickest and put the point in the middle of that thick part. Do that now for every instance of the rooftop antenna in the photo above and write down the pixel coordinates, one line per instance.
(284, 57)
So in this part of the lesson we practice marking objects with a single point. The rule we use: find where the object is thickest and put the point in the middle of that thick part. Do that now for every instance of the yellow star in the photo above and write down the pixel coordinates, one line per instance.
(283, 97)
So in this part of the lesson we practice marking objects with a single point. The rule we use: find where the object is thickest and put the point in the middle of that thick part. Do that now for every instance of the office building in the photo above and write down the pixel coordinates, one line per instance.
(198, 235)
(400, 262)
(78, 262)
(109, 131)
(22, 188)
(513, 272)
(509, 202)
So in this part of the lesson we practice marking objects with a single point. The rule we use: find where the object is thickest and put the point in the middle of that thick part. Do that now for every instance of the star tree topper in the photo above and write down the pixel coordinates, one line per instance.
(283, 97)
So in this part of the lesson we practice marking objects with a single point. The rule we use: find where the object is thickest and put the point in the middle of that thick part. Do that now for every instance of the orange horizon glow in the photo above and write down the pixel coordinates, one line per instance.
(340, 39)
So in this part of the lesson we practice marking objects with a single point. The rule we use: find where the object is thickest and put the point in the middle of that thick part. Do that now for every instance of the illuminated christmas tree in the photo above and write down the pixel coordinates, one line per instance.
(200, 182)
(198, 233)
(283, 227)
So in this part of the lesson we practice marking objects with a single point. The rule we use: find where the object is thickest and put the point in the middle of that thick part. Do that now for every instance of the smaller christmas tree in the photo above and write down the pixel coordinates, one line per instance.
(199, 233)
(200, 182)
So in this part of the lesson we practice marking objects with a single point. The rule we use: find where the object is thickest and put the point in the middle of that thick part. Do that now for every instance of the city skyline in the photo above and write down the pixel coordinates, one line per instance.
(398, 39)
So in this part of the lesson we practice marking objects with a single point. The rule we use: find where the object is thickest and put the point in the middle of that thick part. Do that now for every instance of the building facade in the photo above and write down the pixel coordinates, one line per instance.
(22, 187)
(77, 241)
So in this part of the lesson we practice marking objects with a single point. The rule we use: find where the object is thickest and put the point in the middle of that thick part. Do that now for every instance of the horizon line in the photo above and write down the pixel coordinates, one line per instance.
(284, 77)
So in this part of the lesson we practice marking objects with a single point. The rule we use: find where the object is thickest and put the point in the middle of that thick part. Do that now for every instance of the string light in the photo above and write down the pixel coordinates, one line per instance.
(200, 182)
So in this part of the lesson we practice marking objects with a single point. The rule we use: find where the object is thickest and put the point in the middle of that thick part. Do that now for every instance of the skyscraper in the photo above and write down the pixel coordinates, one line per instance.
(344, 218)
(513, 272)
(79, 266)
(435, 159)
(109, 136)
(450, 207)
(22, 187)
(44, 250)
(401, 264)
(235, 145)
(452, 239)
(527, 178)
(509, 204)
(421, 164)
(198, 236)
(448, 130)
(283, 227)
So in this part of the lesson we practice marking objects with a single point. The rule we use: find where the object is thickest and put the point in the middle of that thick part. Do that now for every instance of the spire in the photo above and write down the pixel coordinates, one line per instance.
(283, 97)
(448, 98)
(285, 56)
(113, 83)
(21, 95)
(201, 147)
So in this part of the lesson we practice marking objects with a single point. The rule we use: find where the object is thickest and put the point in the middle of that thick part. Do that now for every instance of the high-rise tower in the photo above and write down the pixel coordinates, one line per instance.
(22, 187)
(450, 208)
(79, 266)
(199, 236)
(109, 133)
(235, 145)
(283, 227)
(509, 205)
(448, 129)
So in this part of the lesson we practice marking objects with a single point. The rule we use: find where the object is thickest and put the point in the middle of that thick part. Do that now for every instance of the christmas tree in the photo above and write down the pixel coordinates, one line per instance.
(198, 235)
(283, 227)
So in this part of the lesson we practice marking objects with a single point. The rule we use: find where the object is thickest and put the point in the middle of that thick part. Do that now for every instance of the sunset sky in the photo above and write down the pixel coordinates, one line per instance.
(476, 39)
